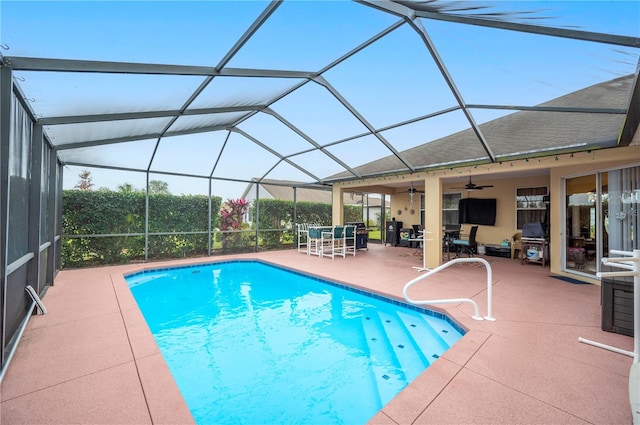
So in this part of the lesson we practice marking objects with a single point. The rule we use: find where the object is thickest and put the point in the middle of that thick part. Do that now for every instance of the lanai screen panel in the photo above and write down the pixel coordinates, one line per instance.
(309, 35)
(62, 94)
(162, 32)
(243, 91)
(425, 130)
(318, 114)
(242, 157)
(276, 134)
(522, 69)
(181, 185)
(104, 131)
(393, 80)
(192, 154)
(209, 122)
(365, 149)
(405, 71)
(318, 163)
(284, 171)
(130, 155)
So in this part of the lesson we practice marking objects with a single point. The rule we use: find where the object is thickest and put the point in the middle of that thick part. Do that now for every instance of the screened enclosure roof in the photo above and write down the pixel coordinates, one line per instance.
(322, 91)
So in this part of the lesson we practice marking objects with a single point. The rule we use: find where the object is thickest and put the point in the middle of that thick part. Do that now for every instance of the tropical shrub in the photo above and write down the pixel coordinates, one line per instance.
(231, 222)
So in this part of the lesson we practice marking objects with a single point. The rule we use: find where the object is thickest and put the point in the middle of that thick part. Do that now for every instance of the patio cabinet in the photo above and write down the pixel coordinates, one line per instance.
(617, 305)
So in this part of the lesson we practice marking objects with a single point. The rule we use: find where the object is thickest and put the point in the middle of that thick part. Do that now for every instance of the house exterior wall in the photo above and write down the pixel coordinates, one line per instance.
(504, 191)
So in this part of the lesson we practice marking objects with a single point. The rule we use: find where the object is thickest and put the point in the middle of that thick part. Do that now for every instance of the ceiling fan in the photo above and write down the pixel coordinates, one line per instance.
(473, 186)
(412, 191)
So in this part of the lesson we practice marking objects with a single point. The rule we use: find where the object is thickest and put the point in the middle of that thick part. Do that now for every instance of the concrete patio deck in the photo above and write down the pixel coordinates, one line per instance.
(91, 358)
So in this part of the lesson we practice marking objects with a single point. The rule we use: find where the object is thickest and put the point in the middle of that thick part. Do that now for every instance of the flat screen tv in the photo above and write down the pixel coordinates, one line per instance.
(477, 211)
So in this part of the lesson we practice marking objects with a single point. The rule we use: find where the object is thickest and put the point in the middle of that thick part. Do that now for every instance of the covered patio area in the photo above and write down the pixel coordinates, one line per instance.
(92, 359)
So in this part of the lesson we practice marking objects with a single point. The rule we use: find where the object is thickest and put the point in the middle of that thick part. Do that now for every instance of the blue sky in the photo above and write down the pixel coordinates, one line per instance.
(393, 80)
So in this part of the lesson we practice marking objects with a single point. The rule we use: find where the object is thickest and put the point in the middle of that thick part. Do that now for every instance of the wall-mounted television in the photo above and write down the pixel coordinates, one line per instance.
(477, 211)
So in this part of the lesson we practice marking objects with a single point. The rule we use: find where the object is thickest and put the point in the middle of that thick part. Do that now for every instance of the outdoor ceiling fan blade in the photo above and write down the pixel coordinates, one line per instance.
(472, 186)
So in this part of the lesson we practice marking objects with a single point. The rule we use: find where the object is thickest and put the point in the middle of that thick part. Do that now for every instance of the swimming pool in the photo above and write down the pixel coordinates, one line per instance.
(249, 342)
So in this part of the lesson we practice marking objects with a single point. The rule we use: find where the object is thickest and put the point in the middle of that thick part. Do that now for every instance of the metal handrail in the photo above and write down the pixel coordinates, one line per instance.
(476, 316)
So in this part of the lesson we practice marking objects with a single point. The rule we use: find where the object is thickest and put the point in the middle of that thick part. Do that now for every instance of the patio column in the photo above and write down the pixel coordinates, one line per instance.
(432, 255)
(337, 206)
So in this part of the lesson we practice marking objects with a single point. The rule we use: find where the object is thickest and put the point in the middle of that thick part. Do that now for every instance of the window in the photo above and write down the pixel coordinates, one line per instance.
(450, 203)
(530, 205)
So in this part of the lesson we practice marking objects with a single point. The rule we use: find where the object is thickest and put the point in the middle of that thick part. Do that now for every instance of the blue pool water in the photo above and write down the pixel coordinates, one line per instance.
(248, 342)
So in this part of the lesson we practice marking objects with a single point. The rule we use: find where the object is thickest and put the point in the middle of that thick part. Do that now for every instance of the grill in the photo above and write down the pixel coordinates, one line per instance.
(362, 234)
(534, 245)
(533, 232)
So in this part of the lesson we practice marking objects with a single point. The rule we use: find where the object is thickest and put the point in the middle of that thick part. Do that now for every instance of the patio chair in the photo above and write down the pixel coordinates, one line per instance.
(516, 245)
(331, 243)
(349, 242)
(314, 240)
(450, 232)
(468, 245)
(303, 237)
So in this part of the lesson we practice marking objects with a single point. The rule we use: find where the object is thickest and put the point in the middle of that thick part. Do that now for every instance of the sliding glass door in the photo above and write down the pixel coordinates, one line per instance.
(601, 214)
(622, 222)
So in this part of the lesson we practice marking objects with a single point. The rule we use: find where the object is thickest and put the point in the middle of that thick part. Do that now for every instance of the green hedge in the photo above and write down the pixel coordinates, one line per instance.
(105, 212)
(123, 214)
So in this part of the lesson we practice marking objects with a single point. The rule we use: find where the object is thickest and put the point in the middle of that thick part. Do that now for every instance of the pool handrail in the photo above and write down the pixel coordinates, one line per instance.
(476, 315)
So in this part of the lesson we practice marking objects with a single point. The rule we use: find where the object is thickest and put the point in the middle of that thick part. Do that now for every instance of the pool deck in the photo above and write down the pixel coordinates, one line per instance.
(91, 358)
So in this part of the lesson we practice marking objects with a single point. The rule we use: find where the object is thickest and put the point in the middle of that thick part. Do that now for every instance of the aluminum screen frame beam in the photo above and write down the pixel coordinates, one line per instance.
(81, 119)
(259, 21)
(19, 63)
(277, 154)
(410, 18)
(324, 83)
(6, 93)
(310, 140)
(596, 37)
(414, 9)
(422, 32)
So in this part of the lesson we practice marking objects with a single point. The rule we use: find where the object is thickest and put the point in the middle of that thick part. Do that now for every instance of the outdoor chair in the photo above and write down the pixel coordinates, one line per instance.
(450, 232)
(516, 245)
(468, 245)
(314, 240)
(332, 242)
(303, 236)
(349, 243)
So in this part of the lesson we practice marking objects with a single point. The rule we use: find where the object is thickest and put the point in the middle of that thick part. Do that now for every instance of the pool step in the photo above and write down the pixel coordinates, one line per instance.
(431, 342)
(410, 358)
(402, 345)
(389, 378)
(443, 329)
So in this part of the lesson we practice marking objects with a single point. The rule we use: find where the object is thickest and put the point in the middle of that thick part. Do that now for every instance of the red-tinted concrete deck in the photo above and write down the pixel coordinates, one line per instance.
(91, 359)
